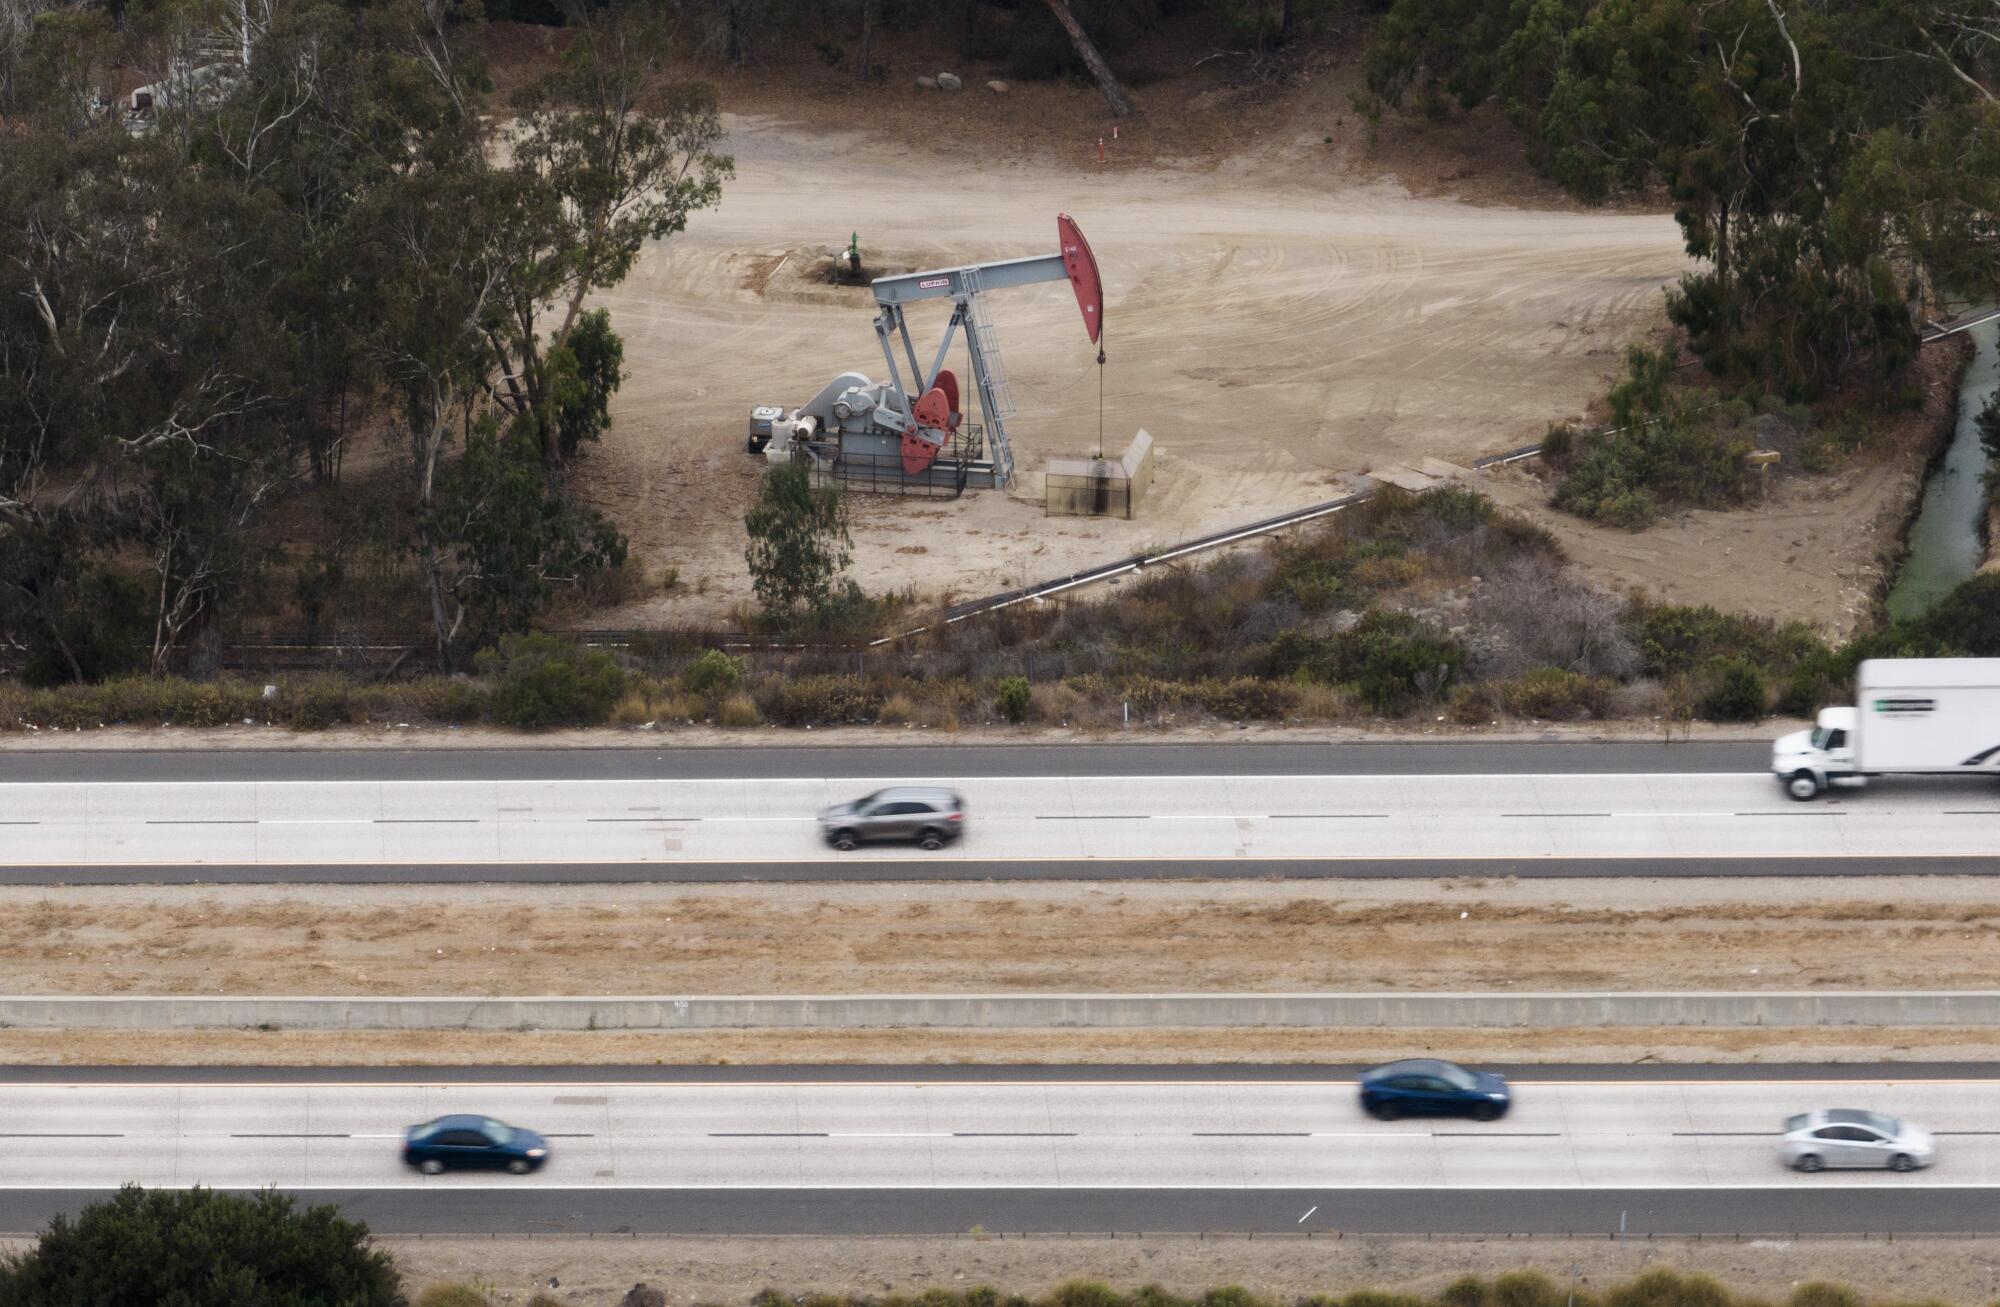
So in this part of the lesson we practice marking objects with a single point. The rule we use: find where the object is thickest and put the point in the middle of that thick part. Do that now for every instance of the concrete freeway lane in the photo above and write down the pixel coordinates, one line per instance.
(904, 758)
(1669, 1155)
(1018, 827)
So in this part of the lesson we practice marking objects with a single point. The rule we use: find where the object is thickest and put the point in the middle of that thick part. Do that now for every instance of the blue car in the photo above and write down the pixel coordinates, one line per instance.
(1424, 1086)
(473, 1142)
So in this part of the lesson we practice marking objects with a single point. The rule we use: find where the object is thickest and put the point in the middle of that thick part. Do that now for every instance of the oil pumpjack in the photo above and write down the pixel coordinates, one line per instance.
(862, 430)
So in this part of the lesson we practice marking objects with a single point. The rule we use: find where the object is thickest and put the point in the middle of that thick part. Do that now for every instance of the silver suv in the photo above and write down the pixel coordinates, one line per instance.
(933, 818)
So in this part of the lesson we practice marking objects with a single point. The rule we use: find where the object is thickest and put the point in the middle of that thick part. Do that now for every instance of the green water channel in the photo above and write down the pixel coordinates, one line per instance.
(1945, 541)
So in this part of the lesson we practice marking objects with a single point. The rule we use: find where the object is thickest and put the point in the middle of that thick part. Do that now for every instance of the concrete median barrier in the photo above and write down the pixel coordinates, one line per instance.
(1011, 1011)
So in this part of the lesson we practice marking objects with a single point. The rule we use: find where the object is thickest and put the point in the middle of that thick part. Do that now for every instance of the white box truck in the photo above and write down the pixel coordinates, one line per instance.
(1911, 717)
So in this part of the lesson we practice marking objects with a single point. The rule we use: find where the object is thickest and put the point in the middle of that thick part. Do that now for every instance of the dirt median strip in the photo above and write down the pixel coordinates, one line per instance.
(1456, 934)
(250, 1048)
(1391, 1009)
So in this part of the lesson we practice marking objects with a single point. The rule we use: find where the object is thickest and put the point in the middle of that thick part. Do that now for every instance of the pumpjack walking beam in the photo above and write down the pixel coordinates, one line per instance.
(935, 410)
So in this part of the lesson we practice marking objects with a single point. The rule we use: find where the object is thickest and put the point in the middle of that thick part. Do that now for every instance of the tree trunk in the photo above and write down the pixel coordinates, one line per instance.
(861, 68)
(1722, 277)
(1092, 60)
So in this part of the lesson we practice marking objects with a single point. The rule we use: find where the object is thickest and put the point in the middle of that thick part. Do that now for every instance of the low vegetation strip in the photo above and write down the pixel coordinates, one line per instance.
(1435, 604)
(1659, 1287)
(1290, 1271)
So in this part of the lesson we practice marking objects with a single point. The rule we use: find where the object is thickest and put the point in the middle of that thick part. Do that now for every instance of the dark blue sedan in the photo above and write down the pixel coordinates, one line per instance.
(473, 1142)
(1424, 1086)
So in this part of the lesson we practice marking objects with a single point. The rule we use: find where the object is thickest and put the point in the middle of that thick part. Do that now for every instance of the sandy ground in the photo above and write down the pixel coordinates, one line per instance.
(1636, 934)
(1279, 322)
(730, 1270)
(1822, 548)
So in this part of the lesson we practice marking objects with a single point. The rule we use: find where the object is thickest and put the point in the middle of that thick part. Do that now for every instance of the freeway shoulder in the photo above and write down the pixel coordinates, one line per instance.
(735, 762)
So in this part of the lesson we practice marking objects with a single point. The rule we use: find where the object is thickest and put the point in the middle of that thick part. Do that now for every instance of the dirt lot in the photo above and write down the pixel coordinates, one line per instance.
(1281, 314)
(729, 1271)
(899, 938)
(1292, 300)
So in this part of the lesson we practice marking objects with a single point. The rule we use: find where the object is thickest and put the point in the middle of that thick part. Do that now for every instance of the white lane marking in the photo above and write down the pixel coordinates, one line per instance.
(1309, 1212)
(1887, 1081)
(1802, 1183)
(814, 857)
(887, 1134)
(1051, 778)
(315, 821)
(1675, 814)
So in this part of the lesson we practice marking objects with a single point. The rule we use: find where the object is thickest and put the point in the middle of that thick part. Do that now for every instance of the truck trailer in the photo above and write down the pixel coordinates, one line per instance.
(1911, 717)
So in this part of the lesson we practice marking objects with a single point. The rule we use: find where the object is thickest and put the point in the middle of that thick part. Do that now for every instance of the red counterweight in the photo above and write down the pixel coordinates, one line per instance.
(1081, 265)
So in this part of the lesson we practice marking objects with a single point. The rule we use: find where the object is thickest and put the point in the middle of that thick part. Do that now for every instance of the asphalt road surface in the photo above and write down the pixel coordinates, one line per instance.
(1017, 827)
(1681, 1153)
(851, 761)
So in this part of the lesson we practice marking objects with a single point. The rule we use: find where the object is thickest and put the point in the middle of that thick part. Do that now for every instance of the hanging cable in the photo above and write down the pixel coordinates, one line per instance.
(1100, 391)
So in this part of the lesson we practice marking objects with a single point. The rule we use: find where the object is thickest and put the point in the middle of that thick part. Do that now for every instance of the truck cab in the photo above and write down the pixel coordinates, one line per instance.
(1807, 762)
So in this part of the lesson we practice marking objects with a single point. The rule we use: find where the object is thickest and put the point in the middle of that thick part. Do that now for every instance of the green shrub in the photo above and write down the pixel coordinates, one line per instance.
(1815, 683)
(1818, 1293)
(453, 1295)
(1526, 1289)
(1248, 698)
(1150, 697)
(821, 701)
(542, 681)
(1085, 1293)
(1661, 1287)
(201, 1246)
(453, 700)
(1966, 622)
(312, 704)
(714, 675)
(1014, 698)
(1390, 659)
(1680, 638)
(1556, 694)
(1738, 693)
(1314, 584)
(1621, 478)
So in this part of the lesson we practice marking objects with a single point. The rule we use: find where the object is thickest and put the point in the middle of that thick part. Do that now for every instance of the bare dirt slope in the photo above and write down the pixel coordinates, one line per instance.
(1277, 321)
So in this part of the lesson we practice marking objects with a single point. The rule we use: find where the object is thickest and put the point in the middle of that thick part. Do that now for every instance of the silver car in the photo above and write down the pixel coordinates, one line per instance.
(1845, 1136)
(931, 817)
